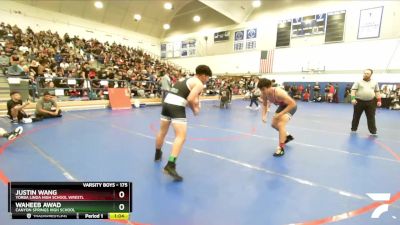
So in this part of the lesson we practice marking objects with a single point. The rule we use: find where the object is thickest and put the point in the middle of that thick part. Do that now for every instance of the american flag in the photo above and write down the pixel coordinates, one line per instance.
(266, 61)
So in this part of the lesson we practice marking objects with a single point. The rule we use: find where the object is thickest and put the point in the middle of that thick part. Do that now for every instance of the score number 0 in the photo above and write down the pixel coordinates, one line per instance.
(121, 206)
(121, 194)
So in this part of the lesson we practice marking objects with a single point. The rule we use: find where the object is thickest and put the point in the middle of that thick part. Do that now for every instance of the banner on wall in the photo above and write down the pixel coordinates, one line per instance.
(221, 36)
(178, 49)
(245, 40)
(251, 38)
(163, 50)
(251, 33)
(184, 48)
(188, 48)
(239, 35)
(239, 41)
(370, 23)
(192, 47)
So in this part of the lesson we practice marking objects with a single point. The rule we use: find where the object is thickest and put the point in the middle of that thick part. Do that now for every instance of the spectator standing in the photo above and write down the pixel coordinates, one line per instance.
(224, 96)
(317, 94)
(165, 85)
(347, 94)
(331, 92)
(336, 94)
(255, 93)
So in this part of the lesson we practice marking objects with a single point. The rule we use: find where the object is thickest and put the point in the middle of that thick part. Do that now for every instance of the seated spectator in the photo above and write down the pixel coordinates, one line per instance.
(300, 89)
(33, 68)
(395, 103)
(50, 88)
(64, 66)
(15, 108)
(4, 61)
(15, 69)
(385, 92)
(306, 96)
(297, 94)
(24, 48)
(317, 95)
(47, 107)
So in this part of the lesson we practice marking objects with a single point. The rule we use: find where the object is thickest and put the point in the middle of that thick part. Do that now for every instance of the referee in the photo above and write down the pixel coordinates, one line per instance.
(365, 97)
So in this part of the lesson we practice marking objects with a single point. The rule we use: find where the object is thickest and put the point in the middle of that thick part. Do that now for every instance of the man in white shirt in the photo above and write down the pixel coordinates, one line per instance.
(365, 96)
(23, 48)
(64, 65)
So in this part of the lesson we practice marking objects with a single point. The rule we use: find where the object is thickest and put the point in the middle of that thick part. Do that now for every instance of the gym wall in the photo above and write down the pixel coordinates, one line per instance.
(348, 57)
(40, 19)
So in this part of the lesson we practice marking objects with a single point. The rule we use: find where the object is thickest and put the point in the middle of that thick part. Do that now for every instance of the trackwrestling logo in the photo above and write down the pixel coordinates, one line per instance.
(382, 208)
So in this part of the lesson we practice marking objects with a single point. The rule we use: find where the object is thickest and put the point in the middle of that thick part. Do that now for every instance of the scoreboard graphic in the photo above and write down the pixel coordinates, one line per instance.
(70, 200)
(308, 25)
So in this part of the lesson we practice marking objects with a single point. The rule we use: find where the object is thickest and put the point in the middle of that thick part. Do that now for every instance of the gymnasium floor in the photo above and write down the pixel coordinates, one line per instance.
(230, 175)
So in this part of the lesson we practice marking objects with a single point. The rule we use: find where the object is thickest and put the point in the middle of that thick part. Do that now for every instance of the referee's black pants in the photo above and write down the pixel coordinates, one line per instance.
(370, 108)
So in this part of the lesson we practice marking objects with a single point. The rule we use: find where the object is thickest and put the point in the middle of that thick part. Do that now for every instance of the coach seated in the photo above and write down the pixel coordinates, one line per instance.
(47, 107)
(15, 108)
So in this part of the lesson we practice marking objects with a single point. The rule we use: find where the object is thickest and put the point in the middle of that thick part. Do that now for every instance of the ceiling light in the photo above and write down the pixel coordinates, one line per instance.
(196, 18)
(168, 6)
(166, 26)
(256, 4)
(98, 4)
(137, 17)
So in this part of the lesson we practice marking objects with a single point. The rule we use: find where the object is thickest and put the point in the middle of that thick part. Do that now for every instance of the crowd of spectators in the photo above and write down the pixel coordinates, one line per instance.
(239, 85)
(330, 93)
(309, 92)
(56, 59)
(392, 94)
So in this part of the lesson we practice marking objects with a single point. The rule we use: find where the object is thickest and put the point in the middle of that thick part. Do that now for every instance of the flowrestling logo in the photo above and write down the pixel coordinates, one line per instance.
(382, 208)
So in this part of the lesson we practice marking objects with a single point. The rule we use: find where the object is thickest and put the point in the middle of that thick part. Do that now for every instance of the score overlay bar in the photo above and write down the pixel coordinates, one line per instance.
(70, 200)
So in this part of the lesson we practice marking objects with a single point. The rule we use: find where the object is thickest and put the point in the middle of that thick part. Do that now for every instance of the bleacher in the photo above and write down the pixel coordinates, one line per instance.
(94, 68)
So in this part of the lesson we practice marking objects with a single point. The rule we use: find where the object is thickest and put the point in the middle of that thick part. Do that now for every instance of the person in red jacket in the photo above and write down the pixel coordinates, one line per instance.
(306, 96)
(331, 92)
